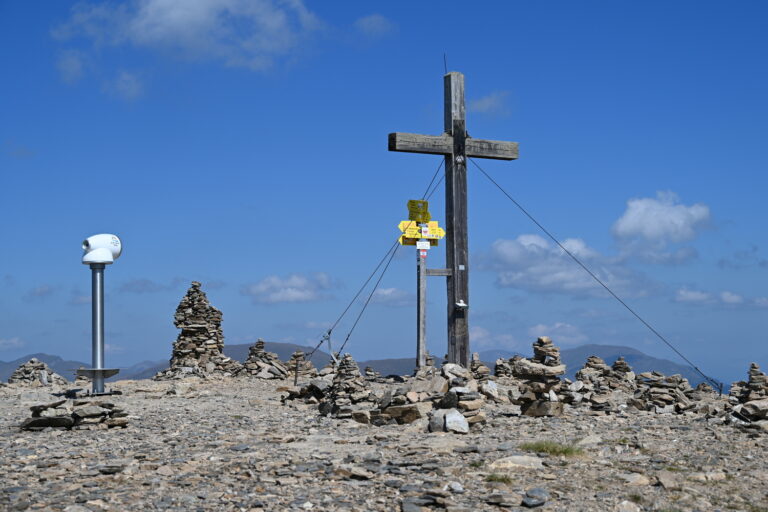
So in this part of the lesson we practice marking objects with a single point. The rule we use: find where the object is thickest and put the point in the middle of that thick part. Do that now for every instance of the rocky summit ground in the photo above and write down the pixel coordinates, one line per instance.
(230, 444)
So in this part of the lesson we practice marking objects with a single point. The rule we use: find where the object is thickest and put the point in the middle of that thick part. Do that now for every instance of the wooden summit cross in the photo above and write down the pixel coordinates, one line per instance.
(456, 145)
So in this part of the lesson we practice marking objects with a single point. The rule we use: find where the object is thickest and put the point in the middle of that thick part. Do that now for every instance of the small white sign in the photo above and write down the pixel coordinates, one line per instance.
(422, 245)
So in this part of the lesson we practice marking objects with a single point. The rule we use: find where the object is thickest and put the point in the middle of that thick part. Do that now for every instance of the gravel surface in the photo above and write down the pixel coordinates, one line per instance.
(230, 444)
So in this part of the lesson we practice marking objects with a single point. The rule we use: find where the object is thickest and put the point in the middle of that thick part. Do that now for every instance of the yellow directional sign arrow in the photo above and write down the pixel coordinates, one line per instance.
(412, 241)
(412, 232)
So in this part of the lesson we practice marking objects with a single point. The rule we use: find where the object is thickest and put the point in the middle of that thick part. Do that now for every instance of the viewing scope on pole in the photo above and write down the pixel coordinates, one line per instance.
(98, 252)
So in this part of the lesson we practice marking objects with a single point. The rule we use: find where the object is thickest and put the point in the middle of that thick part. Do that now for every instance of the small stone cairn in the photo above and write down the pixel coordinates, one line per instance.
(479, 370)
(503, 369)
(76, 414)
(602, 387)
(36, 373)
(350, 395)
(199, 349)
(298, 362)
(751, 397)
(663, 394)
(372, 375)
(262, 364)
(461, 406)
(447, 399)
(540, 380)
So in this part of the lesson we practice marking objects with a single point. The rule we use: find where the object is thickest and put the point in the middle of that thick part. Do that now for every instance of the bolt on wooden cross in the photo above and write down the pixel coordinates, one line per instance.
(456, 145)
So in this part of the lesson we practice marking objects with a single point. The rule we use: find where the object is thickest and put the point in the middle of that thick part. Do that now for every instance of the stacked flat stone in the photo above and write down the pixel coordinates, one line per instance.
(350, 395)
(298, 362)
(755, 388)
(602, 387)
(372, 375)
(751, 397)
(479, 370)
(199, 348)
(461, 406)
(76, 414)
(36, 373)
(262, 364)
(540, 380)
(663, 394)
(503, 368)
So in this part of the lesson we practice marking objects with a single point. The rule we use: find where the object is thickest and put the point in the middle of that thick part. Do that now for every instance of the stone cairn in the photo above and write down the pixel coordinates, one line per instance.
(350, 395)
(36, 373)
(199, 349)
(602, 387)
(448, 399)
(264, 365)
(299, 363)
(503, 369)
(77, 415)
(540, 380)
(479, 370)
(755, 388)
(372, 375)
(751, 397)
(663, 394)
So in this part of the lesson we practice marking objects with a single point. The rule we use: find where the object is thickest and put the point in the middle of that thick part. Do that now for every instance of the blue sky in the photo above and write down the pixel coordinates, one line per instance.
(244, 144)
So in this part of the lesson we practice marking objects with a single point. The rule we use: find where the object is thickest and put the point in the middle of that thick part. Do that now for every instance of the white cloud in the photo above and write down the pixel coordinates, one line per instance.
(10, 343)
(393, 297)
(761, 302)
(731, 298)
(110, 348)
(252, 34)
(292, 288)
(692, 296)
(126, 85)
(561, 333)
(649, 225)
(532, 263)
(493, 103)
(70, 66)
(374, 25)
(481, 338)
(662, 218)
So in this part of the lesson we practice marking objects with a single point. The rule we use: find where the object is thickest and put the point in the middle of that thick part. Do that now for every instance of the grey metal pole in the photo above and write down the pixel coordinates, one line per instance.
(97, 325)
(421, 310)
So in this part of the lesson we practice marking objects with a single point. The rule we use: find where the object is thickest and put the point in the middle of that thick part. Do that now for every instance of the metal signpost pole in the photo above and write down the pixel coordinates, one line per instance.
(421, 305)
(97, 326)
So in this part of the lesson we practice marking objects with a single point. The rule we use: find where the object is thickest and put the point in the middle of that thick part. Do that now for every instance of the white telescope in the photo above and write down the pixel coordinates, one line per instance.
(98, 252)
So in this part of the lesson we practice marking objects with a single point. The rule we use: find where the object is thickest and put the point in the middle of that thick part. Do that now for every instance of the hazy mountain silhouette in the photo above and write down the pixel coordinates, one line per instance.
(574, 359)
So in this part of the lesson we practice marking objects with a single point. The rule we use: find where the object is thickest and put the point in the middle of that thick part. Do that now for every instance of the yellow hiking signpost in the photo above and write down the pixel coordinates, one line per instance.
(413, 232)
(423, 232)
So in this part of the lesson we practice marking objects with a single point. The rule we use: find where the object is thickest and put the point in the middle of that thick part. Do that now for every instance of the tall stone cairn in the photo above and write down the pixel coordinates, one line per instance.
(262, 364)
(36, 373)
(299, 362)
(199, 348)
(755, 388)
(540, 378)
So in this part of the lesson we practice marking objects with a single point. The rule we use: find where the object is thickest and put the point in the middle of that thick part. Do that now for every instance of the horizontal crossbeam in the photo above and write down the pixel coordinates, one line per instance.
(443, 145)
(439, 272)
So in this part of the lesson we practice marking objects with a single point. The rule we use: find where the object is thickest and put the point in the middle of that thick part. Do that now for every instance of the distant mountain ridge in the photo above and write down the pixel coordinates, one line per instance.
(574, 359)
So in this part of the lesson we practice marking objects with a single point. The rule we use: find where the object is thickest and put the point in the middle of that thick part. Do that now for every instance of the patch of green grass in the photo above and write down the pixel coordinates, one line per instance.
(495, 477)
(673, 468)
(635, 498)
(552, 448)
(477, 463)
